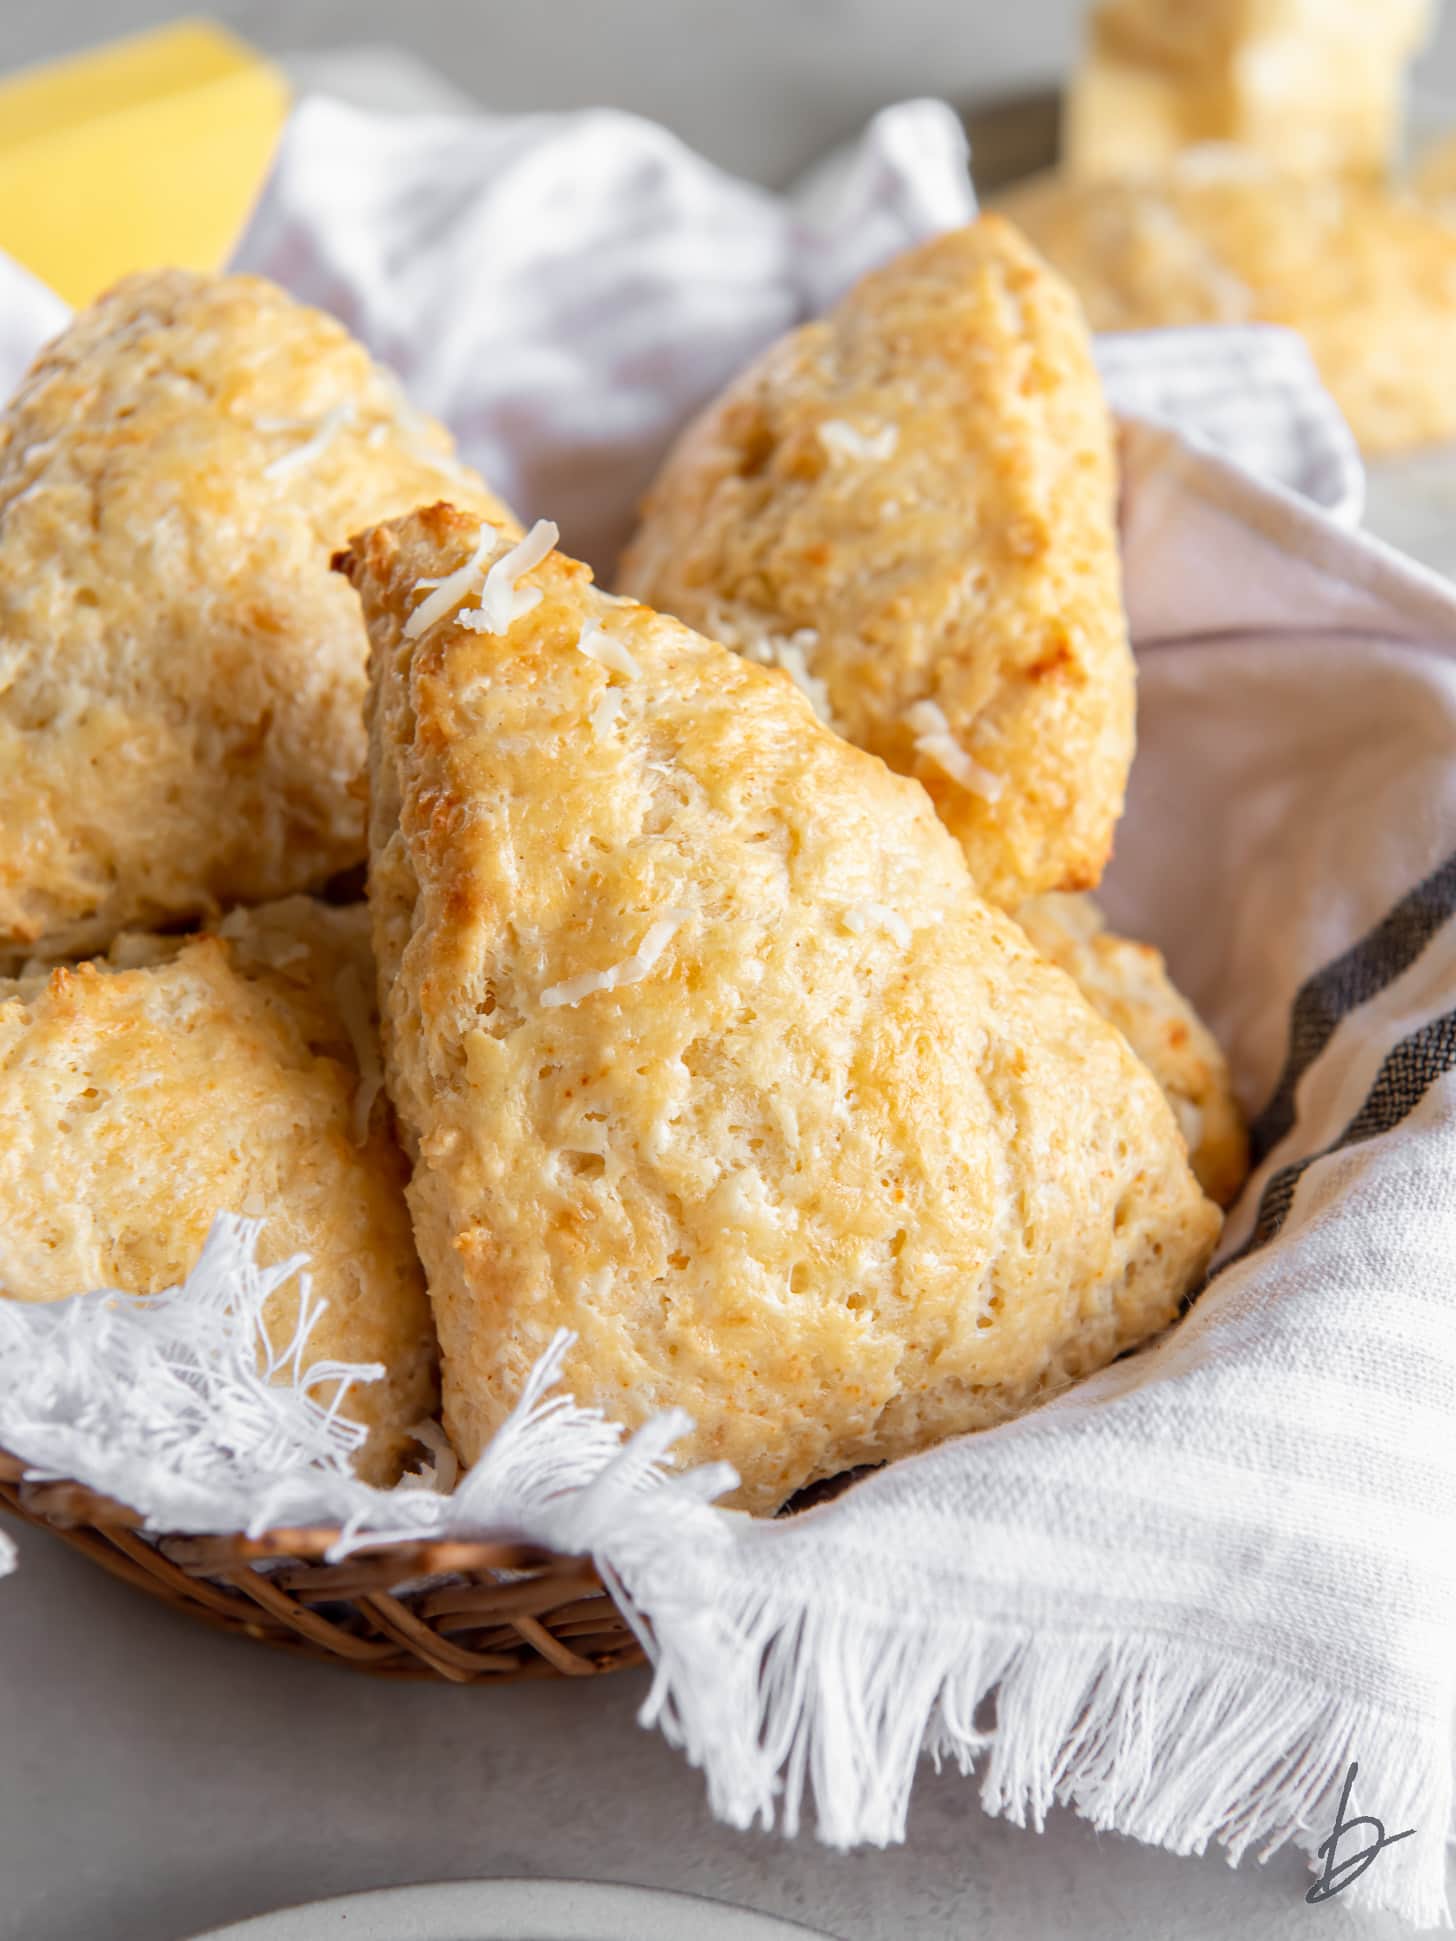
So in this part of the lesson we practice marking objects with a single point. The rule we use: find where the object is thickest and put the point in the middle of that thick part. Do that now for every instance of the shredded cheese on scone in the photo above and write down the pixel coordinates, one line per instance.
(788, 652)
(844, 440)
(861, 917)
(324, 433)
(605, 711)
(502, 600)
(355, 1014)
(934, 740)
(631, 970)
(598, 645)
(1190, 1121)
(455, 586)
(277, 949)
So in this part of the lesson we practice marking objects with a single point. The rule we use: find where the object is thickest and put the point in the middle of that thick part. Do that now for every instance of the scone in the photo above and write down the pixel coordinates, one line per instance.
(910, 507)
(706, 1049)
(1315, 89)
(181, 677)
(1129, 984)
(1433, 176)
(233, 1073)
(1367, 277)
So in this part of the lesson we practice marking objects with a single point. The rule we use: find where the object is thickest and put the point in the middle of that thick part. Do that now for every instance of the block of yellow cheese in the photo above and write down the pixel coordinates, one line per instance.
(1312, 88)
(148, 151)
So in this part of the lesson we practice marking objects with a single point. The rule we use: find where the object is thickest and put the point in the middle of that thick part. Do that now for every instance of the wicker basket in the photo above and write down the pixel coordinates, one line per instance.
(468, 1612)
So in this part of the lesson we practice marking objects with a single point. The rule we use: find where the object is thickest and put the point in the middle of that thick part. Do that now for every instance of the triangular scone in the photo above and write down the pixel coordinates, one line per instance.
(181, 677)
(910, 506)
(1367, 276)
(141, 1096)
(1128, 983)
(706, 1049)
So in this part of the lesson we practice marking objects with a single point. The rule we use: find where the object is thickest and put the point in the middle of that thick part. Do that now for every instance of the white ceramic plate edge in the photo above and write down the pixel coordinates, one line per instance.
(514, 1910)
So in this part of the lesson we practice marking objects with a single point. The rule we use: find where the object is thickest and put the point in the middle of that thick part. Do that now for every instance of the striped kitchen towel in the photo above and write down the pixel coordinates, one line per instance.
(1210, 1594)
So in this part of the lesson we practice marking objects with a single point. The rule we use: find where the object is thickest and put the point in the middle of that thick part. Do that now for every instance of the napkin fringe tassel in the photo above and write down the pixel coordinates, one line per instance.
(777, 1696)
(1160, 1741)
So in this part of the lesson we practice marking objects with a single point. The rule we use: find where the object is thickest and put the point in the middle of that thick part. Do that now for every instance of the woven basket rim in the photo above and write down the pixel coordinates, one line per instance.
(62, 1501)
(468, 1610)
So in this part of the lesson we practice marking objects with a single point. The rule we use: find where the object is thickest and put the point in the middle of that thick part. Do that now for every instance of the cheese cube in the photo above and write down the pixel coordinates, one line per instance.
(149, 151)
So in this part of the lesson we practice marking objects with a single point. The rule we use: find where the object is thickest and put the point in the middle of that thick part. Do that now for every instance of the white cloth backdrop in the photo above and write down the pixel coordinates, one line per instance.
(1185, 1596)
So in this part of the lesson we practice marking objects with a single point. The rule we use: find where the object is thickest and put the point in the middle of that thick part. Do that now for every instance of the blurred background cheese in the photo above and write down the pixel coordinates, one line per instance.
(1313, 86)
(150, 150)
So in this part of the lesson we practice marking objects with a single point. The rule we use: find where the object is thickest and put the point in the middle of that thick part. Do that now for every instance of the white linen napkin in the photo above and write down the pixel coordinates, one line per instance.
(1187, 1595)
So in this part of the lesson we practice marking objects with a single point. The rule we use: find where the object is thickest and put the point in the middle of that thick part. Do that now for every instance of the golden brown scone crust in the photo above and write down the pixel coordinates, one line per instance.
(1367, 277)
(1129, 984)
(181, 677)
(140, 1098)
(829, 1156)
(961, 551)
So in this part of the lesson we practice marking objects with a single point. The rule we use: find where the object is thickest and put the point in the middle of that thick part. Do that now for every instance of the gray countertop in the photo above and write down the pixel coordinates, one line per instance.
(156, 1778)
(159, 1778)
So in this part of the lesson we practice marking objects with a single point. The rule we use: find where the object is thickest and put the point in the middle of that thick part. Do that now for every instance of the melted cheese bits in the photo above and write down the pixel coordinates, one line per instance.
(861, 918)
(934, 740)
(844, 440)
(631, 970)
(329, 426)
(605, 712)
(788, 652)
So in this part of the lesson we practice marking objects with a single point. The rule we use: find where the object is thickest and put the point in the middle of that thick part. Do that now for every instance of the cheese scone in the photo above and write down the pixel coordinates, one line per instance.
(181, 677)
(236, 1073)
(1317, 90)
(1367, 277)
(1433, 176)
(1128, 983)
(705, 1047)
(909, 506)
